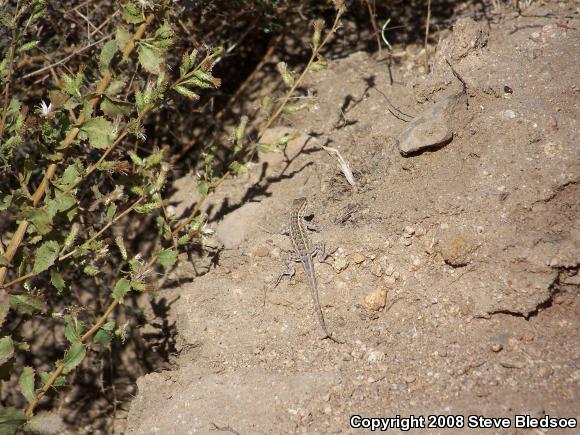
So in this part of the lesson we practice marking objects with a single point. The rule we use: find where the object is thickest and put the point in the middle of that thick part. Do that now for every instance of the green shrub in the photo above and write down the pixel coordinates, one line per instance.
(77, 164)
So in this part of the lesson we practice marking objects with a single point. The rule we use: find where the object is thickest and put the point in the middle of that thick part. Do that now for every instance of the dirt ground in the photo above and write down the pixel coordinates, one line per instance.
(453, 271)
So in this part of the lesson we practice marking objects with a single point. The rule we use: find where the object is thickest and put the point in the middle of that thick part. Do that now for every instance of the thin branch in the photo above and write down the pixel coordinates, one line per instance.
(63, 60)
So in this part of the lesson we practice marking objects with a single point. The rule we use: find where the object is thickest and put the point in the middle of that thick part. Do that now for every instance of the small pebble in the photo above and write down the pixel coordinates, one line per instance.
(261, 252)
(508, 114)
(410, 379)
(376, 300)
(358, 258)
(340, 263)
(375, 356)
(377, 270)
(389, 281)
(497, 347)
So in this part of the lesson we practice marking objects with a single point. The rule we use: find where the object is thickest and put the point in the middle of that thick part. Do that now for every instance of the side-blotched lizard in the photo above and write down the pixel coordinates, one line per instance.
(304, 250)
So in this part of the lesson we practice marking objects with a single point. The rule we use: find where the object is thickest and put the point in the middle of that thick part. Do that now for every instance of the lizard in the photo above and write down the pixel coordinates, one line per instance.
(303, 252)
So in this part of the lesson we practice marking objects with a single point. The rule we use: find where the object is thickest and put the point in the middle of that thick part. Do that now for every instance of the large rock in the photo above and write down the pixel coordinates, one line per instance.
(434, 128)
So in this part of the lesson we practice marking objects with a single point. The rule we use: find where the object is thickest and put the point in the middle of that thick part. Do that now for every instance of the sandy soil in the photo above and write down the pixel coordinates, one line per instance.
(453, 272)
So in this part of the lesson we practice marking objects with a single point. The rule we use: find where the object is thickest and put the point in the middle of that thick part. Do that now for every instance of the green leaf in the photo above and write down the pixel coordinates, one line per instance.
(4, 306)
(73, 329)
(238, 168)
(46, 423)
(10, 420)
(113, 107)
(26, 383)
(100, 132)
(102, 337)
(57, 280)
(133, 14)
(109, 326)
(26, 304)
(107, 53)
(203, 187)
(264, 147)
(45, 256)
(111, 210)
(6, 202)
(71, 175)
(41, 219)
(149, 59)
(45, 376)
(121, 288)
(137, 285)
(122, 37)
(167, 257)
(26, 47)
(186, 92)
(6, 349)
(73, 357)
(65, 201)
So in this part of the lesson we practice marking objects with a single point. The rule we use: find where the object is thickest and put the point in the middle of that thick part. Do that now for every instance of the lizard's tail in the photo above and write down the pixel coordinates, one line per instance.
(314, 292)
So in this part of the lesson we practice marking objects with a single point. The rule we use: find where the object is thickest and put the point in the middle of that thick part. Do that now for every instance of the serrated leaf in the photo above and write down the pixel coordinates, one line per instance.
(57, 280)
(121, 288)
(70, 176)
(113, 107)
(238, 168)
(65, 201)
(149, 58)
(122, 37)
(45, 376)
(40, 218)
(102, 337)
(26, 304)
(167, 257)
(6, 202)
(73, 329)
(111, 210)
(107, 53)
(99, 131)
(26, 383)
(26, 47)
(6, 349)
(133, 14)
(137, 285)
(109, 326)
(4, 305)
(203, 187)
(45, 256)
(46, 423)
(73, 357)
(10, 420)
(186, 92)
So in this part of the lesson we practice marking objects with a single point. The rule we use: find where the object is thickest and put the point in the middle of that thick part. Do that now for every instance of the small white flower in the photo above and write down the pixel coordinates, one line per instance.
(145, 4)
(44, 109)
(206, 230)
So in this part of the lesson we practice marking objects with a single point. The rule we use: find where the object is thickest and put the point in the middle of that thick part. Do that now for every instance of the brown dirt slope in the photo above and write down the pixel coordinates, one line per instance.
(473, 248)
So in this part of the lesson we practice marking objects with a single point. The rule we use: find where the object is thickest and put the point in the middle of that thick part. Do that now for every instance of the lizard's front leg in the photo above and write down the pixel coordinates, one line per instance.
(319, 249)
(289, 269)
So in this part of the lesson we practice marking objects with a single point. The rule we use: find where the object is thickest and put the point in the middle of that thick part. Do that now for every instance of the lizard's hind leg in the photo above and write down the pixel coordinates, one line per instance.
(289, 268)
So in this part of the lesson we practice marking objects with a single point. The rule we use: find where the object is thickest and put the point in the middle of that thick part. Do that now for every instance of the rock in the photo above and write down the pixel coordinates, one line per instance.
(376, 300)
(358, 258)
(433, 128)
(375, 356)
(340, 261)
(261, 252)
(456, 248)
(377, 270)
